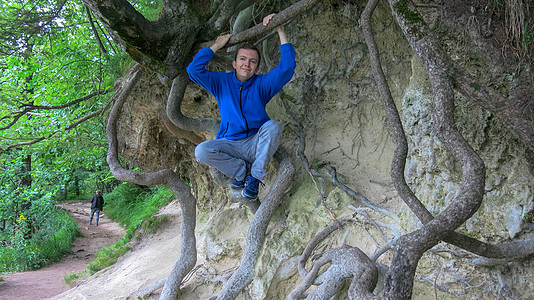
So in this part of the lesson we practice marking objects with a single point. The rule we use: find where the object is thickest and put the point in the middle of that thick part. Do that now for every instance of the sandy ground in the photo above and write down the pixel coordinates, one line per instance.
(50, 281)
(150, 260)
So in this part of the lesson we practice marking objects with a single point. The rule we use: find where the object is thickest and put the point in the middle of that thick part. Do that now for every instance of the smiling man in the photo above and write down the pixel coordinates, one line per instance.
(246, 62)
(247, 137)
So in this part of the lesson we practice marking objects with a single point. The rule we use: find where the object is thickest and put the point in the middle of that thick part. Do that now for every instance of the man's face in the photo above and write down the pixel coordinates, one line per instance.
(246, 64)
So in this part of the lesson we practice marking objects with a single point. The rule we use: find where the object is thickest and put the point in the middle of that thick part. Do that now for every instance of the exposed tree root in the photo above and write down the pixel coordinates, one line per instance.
(316, 240)
(426, 50)
(367, 278)
(256, 232)
(178, 132)
(167, 177)
(174, 112)
(411, 247)
(347, 263)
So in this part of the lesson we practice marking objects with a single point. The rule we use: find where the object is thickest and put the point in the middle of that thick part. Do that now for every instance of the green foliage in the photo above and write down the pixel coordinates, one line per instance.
(133, 207)
(70, 278)
(411, 16)
(50, 62)
(34, 233)
(527, 217)
(58, 62)
(49, 57)
(149, 8)
(56, 240)
(107, 257)
(56, 231)
(130, 204)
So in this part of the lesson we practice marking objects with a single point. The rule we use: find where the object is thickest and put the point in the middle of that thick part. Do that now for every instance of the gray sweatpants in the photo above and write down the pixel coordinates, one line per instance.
(229, 156)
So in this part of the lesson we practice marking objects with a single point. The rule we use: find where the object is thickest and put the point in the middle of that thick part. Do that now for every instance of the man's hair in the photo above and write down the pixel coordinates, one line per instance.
(249, 47)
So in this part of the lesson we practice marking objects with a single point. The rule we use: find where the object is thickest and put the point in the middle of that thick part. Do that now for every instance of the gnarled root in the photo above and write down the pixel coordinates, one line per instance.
(346, 263)
(256, 232)
(188, 252)
(174, 112)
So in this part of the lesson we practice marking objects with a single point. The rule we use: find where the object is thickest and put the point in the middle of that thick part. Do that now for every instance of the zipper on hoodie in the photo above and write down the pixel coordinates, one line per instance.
(241, 106)
(226, 130)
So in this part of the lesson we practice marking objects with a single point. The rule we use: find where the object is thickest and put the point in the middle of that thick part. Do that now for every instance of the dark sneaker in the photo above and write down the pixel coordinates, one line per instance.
(251, 188)
(240, 184)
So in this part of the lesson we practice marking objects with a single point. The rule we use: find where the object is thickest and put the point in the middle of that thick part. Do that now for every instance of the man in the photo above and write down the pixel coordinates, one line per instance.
(247, 137)
(97, 204)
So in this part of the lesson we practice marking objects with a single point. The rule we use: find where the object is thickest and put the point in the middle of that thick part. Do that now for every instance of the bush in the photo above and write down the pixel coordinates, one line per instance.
(56, 231)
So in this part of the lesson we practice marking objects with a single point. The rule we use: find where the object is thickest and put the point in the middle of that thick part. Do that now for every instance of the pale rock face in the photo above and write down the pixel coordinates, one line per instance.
(345, 125)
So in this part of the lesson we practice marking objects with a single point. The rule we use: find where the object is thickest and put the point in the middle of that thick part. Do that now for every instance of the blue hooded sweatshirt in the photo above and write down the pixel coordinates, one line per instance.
(242, 104)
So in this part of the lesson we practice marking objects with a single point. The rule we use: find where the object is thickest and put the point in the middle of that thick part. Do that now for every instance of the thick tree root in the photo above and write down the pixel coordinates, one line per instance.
(174, 110)
(167, 177)
(347, 263)
(256, 232)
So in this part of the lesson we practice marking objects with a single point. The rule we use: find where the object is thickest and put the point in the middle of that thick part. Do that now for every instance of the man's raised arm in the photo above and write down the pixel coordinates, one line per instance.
(280, 29)
(220, 42)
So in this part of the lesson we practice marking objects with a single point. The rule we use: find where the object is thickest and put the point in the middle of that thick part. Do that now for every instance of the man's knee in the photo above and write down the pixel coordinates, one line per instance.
(273, 128)
(201, 152)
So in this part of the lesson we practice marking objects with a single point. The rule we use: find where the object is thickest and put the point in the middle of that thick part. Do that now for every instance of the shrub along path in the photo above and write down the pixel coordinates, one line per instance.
(50, 281)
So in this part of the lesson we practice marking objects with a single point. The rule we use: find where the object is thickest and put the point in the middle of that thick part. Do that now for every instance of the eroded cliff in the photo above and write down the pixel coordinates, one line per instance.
(333, 101)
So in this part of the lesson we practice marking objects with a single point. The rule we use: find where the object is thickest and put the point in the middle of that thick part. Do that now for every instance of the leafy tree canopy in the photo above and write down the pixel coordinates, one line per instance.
(54, 75)
(57, 70)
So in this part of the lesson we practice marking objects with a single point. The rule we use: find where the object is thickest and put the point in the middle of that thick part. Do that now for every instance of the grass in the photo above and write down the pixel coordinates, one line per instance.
(70, 278)
(57, 240)
(107, 257)
(133, 207)
(53, 238)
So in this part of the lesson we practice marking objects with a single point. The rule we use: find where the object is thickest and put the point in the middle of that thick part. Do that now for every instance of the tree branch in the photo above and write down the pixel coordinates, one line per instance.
(30, 107)
(71, 126)
(280, 18)
(95, 32)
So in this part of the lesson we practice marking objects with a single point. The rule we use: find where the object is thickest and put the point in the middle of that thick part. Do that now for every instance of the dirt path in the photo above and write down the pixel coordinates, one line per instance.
(50, 281)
